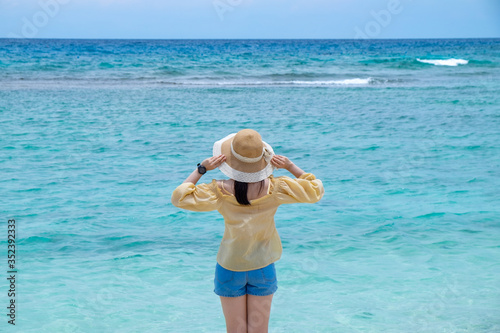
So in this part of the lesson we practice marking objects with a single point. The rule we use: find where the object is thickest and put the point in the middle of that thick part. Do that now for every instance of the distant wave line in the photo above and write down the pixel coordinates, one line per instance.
(356, 81)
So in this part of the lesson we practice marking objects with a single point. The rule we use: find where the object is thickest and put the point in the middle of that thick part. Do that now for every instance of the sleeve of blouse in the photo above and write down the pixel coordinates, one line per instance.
(198, 198)
(305, 189)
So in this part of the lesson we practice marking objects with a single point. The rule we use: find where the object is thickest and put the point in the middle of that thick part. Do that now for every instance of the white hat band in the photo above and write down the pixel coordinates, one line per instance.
(246, 159)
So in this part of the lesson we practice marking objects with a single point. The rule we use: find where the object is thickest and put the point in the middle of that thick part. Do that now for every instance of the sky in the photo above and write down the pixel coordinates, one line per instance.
(179, 19)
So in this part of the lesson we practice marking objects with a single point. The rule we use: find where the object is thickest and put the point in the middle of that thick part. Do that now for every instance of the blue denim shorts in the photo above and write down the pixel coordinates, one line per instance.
(257, 282)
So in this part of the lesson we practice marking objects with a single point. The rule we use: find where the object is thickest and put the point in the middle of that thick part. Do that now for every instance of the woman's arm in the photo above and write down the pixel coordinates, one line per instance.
(209, 164)
(304, 189)
(282, 162)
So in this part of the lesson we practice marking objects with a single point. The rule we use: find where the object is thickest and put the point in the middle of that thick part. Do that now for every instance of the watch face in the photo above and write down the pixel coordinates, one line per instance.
(202, 169)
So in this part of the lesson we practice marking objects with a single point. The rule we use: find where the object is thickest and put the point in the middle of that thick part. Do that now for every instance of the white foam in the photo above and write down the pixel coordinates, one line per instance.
(445, 62)
(356, 81)
(336, 82)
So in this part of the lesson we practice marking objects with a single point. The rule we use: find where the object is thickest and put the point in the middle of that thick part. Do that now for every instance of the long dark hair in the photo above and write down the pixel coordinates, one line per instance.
(241, 190)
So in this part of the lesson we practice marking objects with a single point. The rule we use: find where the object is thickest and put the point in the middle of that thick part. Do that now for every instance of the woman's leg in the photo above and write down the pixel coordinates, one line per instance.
(235, 312)
(258, 310)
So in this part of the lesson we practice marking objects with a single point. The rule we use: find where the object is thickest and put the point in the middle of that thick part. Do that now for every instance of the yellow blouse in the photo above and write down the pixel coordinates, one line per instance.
(250, 239)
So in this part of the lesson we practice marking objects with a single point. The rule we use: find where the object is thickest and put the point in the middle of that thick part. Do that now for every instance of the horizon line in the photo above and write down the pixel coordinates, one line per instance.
(360, 39)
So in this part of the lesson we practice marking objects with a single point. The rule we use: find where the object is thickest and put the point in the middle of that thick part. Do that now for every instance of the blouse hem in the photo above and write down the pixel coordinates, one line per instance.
(251, 269)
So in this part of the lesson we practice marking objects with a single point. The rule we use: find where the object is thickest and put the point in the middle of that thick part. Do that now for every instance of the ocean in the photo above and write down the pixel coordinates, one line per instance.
(404, 134)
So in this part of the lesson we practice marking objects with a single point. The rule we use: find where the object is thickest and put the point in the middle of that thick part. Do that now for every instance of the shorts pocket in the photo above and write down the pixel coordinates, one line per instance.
(269, 273)
(223, 275)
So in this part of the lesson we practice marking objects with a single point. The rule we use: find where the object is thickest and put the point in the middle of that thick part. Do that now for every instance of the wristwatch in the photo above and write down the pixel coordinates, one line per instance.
(201, 169)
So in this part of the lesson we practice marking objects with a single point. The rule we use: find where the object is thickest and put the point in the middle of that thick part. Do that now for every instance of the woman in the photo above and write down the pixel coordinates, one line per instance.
(245, 277)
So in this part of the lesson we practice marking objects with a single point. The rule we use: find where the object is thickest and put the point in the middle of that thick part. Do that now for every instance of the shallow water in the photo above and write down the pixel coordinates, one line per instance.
(96, 134)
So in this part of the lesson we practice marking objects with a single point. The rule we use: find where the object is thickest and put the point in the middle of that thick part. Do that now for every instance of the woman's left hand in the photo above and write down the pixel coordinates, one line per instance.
(213, 162)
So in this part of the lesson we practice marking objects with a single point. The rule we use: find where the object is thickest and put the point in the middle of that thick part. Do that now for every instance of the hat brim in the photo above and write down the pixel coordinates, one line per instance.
(238, 170)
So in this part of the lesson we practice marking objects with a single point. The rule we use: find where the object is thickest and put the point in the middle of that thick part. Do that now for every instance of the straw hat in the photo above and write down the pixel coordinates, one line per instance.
(248, 158)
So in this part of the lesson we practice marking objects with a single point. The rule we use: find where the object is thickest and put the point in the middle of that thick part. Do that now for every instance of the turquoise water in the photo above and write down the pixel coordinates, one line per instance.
(96, 134)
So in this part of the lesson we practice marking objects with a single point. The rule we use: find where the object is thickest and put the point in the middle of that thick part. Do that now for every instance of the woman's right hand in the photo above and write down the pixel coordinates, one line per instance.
(281, 162)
